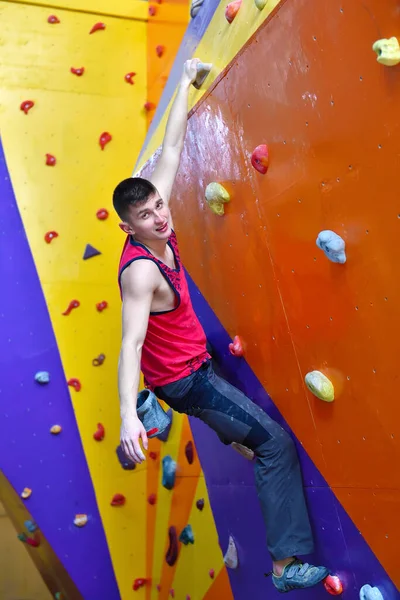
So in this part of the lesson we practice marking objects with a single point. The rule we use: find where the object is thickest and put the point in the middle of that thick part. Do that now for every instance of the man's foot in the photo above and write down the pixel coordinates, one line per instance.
(298, 575)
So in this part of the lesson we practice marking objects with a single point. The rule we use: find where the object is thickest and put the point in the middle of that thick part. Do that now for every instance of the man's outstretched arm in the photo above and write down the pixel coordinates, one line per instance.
(164, 174)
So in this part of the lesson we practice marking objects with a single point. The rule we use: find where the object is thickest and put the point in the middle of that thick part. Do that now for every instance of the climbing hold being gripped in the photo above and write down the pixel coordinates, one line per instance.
(232, 10)
(187, 536)
(320, 386)
(71, 306)
(231, 559)
(100, 306)
(172, 552)
(388, 51)
(118, 500)
(26, 493)
(168, 472)
(56, 429)
(200, 504)
(126, 463)
(31, 526)
(49, 236)
(152, 499)
(367, 592)
(139, 583)
(53, 20)
(260, 158)
(203, 70)
(102, 214)
(98, 361)
(105, 139)
(80, 520)
(260, 4)
(75, 383)
(78, 72)
(90, 252)
(216, 196)
(333, 246)
(42, 377)
(50, 160)
(236, 347)
(99, 433)
(26, 106)
(164, 435)
(333, 585)
(97, 27)
(129, 77)
(160, 50)
(189, 452)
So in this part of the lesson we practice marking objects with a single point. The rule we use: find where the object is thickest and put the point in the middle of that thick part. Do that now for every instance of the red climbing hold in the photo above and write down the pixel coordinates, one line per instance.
(26, 106)
(200, 503)
(232, 10)
(153, 455)
(333, 585)
(211, 573)
(53, 19)
(189, 452)
(152, 499)
(34, 542)
(99, 433)
(128, 77)
(152, 431)
(96, 362)
(160, 50)
(118, 500)
(104, 139)
(97, 27)
(138, 583)
(172, 593)
(50, 235)
(102, 214)
(101, 305)
(50, 160)
(236, 347)
(149, 106)
(172, 552)
(75, 383)
(73, 304)
(152, 11)
(260, 158)
(79, 72)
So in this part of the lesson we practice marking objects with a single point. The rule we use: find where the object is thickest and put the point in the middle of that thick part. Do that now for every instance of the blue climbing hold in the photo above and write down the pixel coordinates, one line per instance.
(187, 536)
(367, 592)
(332, 245)
(163, 436)
(42, 377)
(168, 472)
(30, 526)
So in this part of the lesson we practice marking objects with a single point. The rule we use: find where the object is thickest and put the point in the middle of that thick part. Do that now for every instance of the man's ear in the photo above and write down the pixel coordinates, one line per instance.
(126, 228)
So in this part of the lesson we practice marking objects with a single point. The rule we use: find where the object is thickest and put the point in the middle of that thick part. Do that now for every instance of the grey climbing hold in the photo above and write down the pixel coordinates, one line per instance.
(187, 536)
(367, 592)
(168, 472)
(196, 5)
(332, 245)
(231, 559)
(42, 377)
(164, 435)
(203, 70)
(90, 251)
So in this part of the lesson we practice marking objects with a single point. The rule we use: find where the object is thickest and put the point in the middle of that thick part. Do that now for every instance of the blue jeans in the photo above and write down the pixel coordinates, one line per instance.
(235, 418)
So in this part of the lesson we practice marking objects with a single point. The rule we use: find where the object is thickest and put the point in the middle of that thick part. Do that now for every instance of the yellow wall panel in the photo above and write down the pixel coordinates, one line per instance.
(134, 9)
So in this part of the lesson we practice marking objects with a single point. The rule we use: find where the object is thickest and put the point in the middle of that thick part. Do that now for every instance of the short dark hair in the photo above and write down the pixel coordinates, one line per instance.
(133, 191)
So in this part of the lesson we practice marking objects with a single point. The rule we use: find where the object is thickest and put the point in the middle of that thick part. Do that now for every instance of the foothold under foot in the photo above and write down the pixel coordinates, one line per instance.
(164, 435)
(203, 70)
(100, 306)
(388, 51)
(333, 585)
(139, 583)
(260, 158)
(236, 347)
(42, 377)
(56, 429)
(97, 27)
(200, 503)
(90, 252)
(98, 361)
(75, 383)
(168, 472)
(186, 536)
(172, 552)
(367, 592)
(320, 386)
(333, 246)
(99, 433)
(126, 463)
(73, 304)
(80, 520)
(49, 236)
(231, 559)
(118, 500)
(26, 106)
(26, 493)
(232, 10)
(216, 196)
(189, 452)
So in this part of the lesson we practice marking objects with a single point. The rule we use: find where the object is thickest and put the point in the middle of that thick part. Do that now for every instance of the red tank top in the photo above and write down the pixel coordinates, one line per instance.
(175, 343)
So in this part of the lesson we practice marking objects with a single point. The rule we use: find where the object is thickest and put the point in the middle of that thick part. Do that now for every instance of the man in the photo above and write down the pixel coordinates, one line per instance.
(163, 337)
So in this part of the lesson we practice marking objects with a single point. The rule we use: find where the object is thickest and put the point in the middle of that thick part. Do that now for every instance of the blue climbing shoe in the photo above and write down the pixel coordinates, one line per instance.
(298, 575)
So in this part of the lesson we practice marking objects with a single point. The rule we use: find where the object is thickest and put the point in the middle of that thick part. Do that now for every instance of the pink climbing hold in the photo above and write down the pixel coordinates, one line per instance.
(101, 306)
(172, 593)
(52, 19)
(75, 383)
(236, 347)
(152, 11)
(211, 573)
(138, 583)
(105, 139)
(152, 499)
(49, 236)
(50, 160)
(102, 214)
(158, 587)
(260, 158)
(189, 452)
(232, 10)
(99, 433)
(129, 77)
(73, 304)
(26, 106)
(333, 585)
(78, 72)
(97, 27)
(160, 49)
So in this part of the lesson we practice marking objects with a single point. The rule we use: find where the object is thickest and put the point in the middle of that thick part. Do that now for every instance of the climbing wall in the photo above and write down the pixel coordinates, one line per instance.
(308, 85)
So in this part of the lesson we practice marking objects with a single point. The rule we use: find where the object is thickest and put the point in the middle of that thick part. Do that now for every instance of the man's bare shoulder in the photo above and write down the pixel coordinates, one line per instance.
(140, 277)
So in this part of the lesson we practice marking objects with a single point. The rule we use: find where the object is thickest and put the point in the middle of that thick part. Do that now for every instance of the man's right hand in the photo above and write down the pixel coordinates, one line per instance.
(131, 431)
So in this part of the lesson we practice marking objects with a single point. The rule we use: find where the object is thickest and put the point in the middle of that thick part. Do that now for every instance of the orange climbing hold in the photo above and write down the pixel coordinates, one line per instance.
(49, 236)
(236, 347)
(260, 158)
(52, 19)
(50, 160)
(232, 10)
(73, 304)
(26, 106)
(78, 72)
(97, 27)
(101, 305)
(139, 583)
(75, 383)
(118, 500)
(26, 492)
(128, 77)
(99, 433)
(333, 585)
(105, 139)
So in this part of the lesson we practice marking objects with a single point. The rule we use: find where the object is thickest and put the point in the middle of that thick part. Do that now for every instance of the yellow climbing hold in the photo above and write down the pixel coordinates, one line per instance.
(217, 196)
(56, 429)
(320, 386)
(80, 520)
(26, 492)
(388, 51)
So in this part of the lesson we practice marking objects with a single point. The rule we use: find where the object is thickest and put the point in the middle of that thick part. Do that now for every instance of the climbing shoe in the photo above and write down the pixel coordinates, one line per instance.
(298, 575)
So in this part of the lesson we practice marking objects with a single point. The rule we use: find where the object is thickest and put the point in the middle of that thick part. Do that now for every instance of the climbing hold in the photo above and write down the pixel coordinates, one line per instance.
(49, 236)
(195, 7)
(75, 383)
(333, 585)
(78, 72)
(320, 386)
(148, 106)
(243, 450)
(216, 197)
(232, 10)
(52, 19)
(388, 51)
(26, 106)
(260, 158)
(332, 245)
(138, 583)
(105, 139)
(172, 552)
(367, 592)
(236, 347)
(97, 27)
(152, 11)
(99, 433)
(80, 520)
(211, 573)
(203, 70)
(98, 361)
(102, 214)
(90, 252)
(153, 455)
(260, 4)
(200, 503)
(160, 50)
(26, 492)
(58, 596)
(22, 537)
(158, 586)
(189, 452)
(172, 593)
(126, 463)
(164, 435)
(187, 597)
(128, 77)
(50, 160)
(152, 499)
(152, 432)
(73, 304)
(168, 472)
(118, 500)
(231, 559)
(56, 429)
(101, 305)
(42, 377)
(34, 542)
(187, 536)
(31, 526)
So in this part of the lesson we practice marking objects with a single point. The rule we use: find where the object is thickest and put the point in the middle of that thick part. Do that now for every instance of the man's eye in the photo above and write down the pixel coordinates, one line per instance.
(145, 215)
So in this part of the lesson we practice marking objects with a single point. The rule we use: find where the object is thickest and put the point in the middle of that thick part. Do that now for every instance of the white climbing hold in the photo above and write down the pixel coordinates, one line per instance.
(320, 386)
(388, 51)
(42, 377)
(332, 245)
(368, 592)
(231, 559)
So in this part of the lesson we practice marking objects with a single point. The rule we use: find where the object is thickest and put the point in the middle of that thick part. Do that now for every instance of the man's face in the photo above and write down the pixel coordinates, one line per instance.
(150, 221)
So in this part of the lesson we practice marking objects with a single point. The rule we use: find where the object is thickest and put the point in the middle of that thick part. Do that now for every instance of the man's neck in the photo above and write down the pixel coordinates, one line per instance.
(157, 247)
